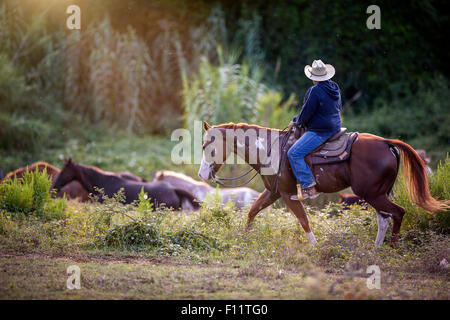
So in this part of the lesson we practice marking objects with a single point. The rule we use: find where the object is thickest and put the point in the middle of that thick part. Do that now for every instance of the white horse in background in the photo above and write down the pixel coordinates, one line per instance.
(241, 196)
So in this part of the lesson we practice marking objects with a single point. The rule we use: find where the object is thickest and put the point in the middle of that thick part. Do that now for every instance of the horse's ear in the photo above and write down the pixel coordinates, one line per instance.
(69, 161)
(206, 125)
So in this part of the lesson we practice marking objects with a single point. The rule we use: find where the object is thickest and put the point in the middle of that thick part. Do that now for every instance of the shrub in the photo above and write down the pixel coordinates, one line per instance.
(133, 234)
(193, 240)
(26, 195)
(16, 197)
(418, 118)
(31, 195)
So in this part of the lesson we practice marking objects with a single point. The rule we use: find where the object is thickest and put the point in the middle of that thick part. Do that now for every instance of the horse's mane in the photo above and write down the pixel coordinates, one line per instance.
(97, 169)
(242, 125)
(178, 175)
(32, 167)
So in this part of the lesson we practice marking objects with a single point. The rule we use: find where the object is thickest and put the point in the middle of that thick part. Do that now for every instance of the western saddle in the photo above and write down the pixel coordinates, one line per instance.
(335, 149)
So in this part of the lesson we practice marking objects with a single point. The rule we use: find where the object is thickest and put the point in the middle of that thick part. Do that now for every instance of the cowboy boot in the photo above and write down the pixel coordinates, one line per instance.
(307, 193)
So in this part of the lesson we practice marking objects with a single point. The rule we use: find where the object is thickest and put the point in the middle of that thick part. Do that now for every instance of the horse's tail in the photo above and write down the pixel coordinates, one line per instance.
(416, 179)
(185, 195)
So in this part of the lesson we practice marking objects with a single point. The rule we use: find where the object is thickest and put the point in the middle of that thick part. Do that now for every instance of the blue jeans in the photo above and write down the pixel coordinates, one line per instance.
(296, 155)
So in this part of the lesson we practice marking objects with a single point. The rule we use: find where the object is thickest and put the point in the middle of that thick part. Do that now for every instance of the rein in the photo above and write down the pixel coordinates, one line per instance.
(220, 180)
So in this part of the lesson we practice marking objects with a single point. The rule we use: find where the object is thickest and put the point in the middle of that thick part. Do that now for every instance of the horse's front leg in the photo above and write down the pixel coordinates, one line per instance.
(299, 211)
(265, 199)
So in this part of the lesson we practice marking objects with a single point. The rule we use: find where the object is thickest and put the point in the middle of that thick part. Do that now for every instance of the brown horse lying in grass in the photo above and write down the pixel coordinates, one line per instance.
(160, 193)
(72, 190)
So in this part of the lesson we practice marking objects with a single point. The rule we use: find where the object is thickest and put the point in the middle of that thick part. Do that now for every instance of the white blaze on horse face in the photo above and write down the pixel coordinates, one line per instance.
(383, 224)
(205, 169)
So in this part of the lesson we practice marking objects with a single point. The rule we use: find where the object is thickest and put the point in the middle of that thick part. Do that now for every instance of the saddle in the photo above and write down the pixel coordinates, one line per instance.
(336, 149)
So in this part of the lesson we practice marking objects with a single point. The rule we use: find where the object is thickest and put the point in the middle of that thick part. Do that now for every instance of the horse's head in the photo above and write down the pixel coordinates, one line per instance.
(215, 151)
(67, 174)
(159, 176)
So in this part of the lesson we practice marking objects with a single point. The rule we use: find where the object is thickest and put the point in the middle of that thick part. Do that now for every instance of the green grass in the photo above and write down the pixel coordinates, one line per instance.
(207, 254)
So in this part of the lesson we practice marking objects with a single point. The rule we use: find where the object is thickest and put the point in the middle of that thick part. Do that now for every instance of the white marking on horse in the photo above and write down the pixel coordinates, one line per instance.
(259, 143)
(383, 224)
(311, 238)
(204, 170)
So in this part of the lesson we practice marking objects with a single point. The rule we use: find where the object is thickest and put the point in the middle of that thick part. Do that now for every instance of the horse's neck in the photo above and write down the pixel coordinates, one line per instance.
(271, 151)
(90, 178)
(268, 143)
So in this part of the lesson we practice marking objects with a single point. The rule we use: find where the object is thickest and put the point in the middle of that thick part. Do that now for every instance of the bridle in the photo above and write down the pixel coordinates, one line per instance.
(220, 181)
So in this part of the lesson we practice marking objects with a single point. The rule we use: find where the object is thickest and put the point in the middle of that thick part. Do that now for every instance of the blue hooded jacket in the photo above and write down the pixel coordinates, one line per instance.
(321, 107)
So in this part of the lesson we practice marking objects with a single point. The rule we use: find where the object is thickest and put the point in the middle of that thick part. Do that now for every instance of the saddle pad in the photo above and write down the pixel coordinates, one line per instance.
(332, 148)
(312, 159)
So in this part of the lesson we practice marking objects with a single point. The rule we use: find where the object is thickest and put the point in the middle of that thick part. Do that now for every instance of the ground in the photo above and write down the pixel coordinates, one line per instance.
(272, 262)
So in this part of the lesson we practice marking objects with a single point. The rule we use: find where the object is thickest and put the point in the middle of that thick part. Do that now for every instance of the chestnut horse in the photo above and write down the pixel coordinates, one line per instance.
(72, 190)
(370, 171)
(158, 192)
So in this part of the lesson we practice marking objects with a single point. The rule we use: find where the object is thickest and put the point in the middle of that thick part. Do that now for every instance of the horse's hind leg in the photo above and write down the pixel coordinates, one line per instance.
(265, 199)
(386, 208)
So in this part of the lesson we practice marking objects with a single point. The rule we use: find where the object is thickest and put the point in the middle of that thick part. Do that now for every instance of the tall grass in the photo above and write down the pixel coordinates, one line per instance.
(230, 91)
(31, 195)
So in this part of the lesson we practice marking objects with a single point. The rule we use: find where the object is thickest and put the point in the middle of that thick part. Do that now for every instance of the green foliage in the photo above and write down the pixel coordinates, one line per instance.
(193, 240)
(16, 196)
(417, 118)
(144, 204)
(416, 217)
(232, 92)
(223, 93)
(31, 195)
(133, 234)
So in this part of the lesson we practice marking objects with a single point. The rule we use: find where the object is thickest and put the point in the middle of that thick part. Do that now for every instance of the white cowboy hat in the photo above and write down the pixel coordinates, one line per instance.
(319, 71)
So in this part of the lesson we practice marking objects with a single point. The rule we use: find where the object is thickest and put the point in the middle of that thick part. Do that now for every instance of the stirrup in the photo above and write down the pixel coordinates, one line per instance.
(303, 194)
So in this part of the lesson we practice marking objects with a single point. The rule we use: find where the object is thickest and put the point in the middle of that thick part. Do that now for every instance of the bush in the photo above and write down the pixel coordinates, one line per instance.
(31, 195)
(417, 118)
(133, 234)
(193, 240)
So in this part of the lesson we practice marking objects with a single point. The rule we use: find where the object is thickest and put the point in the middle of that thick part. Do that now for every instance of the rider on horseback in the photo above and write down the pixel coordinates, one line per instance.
(321, 119)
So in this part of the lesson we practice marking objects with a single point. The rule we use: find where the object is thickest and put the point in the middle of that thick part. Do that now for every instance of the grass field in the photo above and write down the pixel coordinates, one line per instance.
(207, 254)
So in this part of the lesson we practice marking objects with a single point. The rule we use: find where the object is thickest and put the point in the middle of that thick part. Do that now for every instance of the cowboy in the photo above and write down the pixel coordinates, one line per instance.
(321, 119)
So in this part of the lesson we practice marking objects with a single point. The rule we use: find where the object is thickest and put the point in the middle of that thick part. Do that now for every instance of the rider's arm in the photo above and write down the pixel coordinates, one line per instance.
(309, 108)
